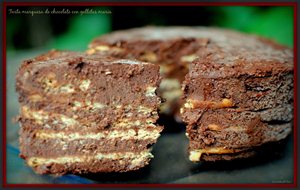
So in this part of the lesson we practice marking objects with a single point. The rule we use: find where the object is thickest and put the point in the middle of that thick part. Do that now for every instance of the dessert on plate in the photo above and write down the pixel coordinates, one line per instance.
(97, 111)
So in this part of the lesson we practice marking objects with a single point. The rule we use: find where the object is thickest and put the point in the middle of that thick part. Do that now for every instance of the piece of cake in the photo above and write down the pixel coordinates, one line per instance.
(238, 89)
(87, 113)
(238, 96)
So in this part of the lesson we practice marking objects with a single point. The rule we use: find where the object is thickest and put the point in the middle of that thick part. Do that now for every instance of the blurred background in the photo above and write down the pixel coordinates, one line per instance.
(29, 36)
(75, 31)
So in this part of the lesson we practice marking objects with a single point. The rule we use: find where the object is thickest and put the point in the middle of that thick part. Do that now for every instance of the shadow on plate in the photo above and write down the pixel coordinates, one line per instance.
(128, 177)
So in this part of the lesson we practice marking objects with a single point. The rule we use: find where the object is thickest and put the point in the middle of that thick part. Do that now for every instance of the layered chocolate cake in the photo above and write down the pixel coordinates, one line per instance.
(87, 113)
(237, 89)
(97, 111)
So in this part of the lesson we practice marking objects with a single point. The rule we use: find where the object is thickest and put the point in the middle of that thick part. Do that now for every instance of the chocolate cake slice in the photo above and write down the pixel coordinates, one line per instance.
(87, 113)
(237, 89)
(238, 96)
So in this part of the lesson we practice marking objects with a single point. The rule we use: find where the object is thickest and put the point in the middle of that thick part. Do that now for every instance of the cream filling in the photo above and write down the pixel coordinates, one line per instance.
(124, 135)
(68, 88)
(53, 88)
(88, 105)
(171, 91)
(104, 48)
(41, 116)
(136, 158)
(164, 69)
(149, 56)
(194, 104)
(195, 155)
(150, 91)
(172, 95)
(123, 123)
(50, 85)
(189, 58)
(169, 84)
(215, 127)
(85, 84)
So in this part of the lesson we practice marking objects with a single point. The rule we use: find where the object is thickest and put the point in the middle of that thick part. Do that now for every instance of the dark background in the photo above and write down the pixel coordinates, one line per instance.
(75, 31)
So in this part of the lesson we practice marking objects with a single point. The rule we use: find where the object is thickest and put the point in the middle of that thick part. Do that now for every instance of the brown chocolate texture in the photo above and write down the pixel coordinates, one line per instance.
(237, 89)
(236, 95)
(84, 113)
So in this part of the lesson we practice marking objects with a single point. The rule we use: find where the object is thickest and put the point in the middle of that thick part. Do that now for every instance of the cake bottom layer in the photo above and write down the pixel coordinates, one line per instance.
(232, 131)
(268, 151)
(228, 145)
(239, 155)
(108, 162)
(235, 137)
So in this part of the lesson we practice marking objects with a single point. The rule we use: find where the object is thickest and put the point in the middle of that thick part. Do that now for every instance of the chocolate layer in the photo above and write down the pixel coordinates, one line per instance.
(245, 92)
(110, 117)
(93, 78)
(34, 146)
(91, 127)
(218, 157)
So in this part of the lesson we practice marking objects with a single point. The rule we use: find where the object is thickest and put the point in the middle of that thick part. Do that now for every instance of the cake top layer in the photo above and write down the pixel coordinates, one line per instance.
(66, 64)
(173, 32)
(217, 46)
(62, 76)
(58, 57)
